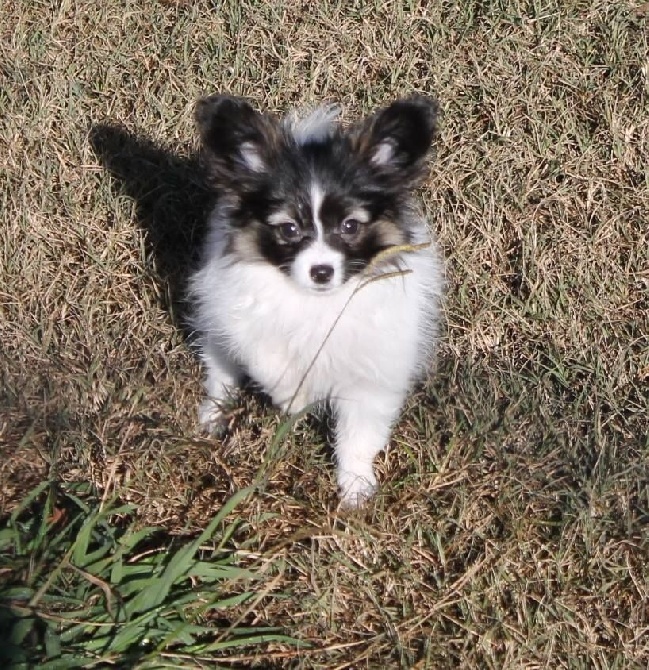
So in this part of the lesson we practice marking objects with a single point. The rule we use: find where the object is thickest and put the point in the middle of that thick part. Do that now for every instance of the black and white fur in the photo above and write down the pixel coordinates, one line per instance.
(290, 290)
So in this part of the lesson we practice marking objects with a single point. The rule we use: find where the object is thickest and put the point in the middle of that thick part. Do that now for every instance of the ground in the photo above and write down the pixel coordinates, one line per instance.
(512, 527)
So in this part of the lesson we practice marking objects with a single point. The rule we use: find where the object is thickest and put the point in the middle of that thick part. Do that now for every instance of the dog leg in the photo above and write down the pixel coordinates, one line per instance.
(222, 378)
(363, 423)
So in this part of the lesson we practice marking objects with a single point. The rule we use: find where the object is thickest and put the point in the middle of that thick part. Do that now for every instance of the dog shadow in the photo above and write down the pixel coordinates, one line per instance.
(172, 203)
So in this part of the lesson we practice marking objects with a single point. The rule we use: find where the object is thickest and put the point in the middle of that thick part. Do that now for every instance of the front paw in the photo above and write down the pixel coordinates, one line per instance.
(356, 488)
(294, 405)
(213, 418)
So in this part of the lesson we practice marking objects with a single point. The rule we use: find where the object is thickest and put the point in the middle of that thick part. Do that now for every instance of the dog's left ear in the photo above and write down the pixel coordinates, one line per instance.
(395, 140)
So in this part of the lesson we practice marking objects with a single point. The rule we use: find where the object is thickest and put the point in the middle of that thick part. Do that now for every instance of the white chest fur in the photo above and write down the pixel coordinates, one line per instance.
(297, 343)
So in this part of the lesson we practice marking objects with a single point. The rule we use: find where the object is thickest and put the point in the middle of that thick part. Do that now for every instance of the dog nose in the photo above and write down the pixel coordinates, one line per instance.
(322, 274)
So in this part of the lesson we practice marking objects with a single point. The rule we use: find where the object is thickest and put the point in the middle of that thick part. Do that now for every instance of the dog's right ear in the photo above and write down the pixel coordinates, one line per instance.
(238, 140)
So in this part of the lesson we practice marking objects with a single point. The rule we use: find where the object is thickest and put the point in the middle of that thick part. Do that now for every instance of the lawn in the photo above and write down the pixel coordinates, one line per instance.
(512, 526)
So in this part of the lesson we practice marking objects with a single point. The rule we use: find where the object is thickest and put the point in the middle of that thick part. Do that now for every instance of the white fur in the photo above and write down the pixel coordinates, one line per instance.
(318, 253)
(315, 126)
(317, 196)
(252, 158)
(383, 154)
(360, 346)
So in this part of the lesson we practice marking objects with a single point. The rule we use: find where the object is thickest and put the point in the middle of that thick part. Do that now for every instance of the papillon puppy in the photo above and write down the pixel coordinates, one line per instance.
(319, 278)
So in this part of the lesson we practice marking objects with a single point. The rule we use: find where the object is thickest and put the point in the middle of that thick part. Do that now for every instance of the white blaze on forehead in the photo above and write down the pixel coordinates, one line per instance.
(318, 252)
(317, 196)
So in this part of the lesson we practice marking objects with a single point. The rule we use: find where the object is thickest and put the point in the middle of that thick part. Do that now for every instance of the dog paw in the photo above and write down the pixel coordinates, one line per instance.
(212, 418)
(356, 489)
(294, 405)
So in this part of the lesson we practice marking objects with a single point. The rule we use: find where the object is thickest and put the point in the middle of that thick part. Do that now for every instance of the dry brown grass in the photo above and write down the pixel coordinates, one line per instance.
(513, 525)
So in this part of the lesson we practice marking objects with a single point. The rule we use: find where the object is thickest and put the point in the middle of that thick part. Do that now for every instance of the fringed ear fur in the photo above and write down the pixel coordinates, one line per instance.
(238, 140)
(394, 141)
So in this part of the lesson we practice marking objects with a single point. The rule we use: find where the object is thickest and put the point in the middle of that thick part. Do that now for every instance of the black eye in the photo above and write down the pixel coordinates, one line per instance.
(350, 227)
(290, 231)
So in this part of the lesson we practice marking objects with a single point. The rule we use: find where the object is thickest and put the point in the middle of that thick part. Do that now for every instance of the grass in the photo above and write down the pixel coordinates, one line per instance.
(88, 593)
(512, 528)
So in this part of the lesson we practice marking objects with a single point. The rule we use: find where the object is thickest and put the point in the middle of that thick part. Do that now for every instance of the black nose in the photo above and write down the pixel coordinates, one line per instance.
(322, 274)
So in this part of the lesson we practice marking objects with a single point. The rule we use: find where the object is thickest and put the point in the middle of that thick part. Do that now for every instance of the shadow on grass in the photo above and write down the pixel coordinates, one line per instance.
(171, 197)
(11, 653)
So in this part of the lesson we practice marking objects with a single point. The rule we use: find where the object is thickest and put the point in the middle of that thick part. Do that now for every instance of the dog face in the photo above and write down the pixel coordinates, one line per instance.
(316, 201)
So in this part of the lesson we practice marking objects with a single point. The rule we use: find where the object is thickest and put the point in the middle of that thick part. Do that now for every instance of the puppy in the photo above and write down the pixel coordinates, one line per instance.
(319, 279)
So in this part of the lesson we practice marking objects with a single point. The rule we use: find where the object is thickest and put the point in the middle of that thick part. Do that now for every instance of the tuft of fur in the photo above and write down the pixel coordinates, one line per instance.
(319, 277)
(316, 126)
